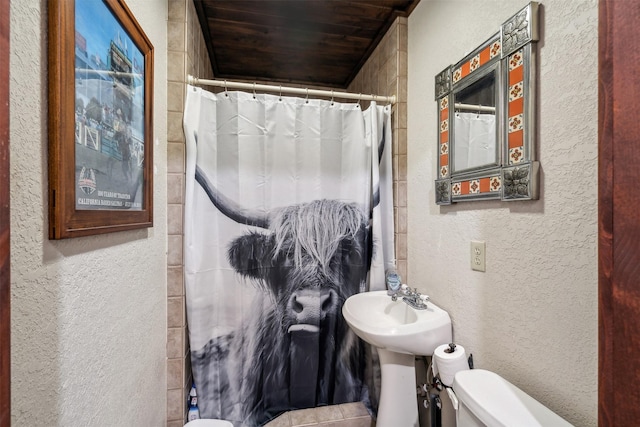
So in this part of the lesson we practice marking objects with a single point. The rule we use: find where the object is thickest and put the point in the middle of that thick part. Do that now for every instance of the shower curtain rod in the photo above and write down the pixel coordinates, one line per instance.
(287, 89)
(472, 107)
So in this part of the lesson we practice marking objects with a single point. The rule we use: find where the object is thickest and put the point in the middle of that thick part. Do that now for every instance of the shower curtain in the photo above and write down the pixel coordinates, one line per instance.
(288, 212)
(475, 140)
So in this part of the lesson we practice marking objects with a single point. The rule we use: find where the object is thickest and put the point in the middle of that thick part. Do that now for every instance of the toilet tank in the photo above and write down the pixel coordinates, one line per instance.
(485, 398)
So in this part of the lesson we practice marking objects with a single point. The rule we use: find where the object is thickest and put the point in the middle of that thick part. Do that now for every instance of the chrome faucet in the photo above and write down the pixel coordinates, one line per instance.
(413, 298)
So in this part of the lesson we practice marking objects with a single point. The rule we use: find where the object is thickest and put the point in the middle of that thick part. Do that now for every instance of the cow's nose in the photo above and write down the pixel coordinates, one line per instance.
(311, 305)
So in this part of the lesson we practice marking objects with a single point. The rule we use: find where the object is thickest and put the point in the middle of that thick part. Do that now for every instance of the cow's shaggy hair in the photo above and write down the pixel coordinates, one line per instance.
(316, 229)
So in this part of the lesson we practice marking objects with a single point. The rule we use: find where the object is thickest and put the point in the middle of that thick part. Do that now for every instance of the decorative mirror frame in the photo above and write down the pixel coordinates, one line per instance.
(517, 175)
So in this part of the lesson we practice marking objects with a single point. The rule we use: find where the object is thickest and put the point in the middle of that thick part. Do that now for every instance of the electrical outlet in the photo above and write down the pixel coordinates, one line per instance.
(478, 261)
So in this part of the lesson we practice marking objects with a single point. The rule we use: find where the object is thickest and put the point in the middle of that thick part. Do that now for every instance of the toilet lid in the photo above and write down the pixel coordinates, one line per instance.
(497, 402)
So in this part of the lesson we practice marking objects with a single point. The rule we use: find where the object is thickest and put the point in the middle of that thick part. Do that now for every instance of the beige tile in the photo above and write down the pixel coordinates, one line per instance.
(191, 67)
(175, 284)
(401, 246)
(175, 188)
(401, 88)
(403, 64)
(394, 168)
(175, 157)
(395, 218)
(175, 35)
(174, 220)
(392, 35)
(174, 252)
(175, 96)
(175, 312)
(402, 167)
(177, 9)
(402, 115)
(351, 410)
(395, 193)
(176, 423)
(303, 417)
(280, 421)
(381, 81)
(402, 220)
(175, 373)
(401, 140)
(328, 413)
(175, 132)
(175, 342)
(392, 69)
(175, 66)
(403, 36)
(401, 199)
(175, 405)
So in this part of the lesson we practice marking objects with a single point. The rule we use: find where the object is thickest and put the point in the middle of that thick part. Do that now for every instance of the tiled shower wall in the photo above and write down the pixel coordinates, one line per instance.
(385, 73)
(187, 54)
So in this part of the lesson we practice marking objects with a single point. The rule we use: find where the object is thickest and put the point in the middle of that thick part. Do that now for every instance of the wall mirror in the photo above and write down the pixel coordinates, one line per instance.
(486, 118)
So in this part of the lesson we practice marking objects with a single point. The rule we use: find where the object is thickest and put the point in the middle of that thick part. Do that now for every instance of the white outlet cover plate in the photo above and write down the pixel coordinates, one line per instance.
(478, 256)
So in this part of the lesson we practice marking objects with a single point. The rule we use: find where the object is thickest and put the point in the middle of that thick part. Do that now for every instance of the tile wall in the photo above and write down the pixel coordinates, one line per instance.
(187, 54)
(385, 73)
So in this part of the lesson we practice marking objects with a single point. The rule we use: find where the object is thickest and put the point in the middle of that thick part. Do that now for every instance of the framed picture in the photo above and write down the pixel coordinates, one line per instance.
(100, 119)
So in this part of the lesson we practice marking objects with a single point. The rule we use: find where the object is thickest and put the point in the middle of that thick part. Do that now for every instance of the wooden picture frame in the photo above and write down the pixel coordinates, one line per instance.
(100, 119)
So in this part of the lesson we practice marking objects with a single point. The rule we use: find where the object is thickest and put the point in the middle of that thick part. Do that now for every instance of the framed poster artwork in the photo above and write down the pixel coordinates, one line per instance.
(100, 119)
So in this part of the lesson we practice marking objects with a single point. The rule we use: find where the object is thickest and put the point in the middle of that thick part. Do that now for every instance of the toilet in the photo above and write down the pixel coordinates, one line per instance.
(208, 423)
(483, 398)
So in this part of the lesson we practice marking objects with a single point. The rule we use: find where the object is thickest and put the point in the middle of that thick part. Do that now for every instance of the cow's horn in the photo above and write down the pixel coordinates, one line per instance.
(230, 208)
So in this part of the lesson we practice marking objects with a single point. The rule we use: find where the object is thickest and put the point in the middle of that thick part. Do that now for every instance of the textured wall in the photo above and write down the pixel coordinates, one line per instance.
(532, 317)
(88, 314)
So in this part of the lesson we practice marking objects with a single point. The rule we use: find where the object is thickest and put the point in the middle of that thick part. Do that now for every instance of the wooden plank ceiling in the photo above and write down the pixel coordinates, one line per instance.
(308, 42)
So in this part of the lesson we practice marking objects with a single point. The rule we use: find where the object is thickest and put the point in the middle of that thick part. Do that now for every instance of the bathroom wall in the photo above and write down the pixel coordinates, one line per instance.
(385, 73)
(532, 316)
(88, 315)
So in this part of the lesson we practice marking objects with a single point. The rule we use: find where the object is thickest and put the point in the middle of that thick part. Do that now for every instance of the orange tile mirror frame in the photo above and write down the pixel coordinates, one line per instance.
(486, 118)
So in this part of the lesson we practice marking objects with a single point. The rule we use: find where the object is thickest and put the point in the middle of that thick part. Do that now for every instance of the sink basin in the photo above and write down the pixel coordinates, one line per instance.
(399, 332)
(394, 325)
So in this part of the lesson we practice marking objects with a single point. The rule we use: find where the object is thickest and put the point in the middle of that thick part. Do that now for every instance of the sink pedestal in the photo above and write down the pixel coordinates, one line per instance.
(399, 333)
(398, 402)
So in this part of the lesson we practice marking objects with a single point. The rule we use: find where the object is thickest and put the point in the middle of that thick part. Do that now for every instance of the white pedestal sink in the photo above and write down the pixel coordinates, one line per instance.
(400, 333)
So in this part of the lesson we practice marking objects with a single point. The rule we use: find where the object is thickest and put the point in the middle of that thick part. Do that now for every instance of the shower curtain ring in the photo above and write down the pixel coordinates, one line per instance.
(479, 109)
(225, 89)
(359, 98)
(307, 98)
(280, 99)
(332, 98)
(254, 90)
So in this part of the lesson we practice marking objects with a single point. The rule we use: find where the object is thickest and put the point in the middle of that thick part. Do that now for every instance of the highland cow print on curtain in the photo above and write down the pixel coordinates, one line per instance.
(288, 212)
